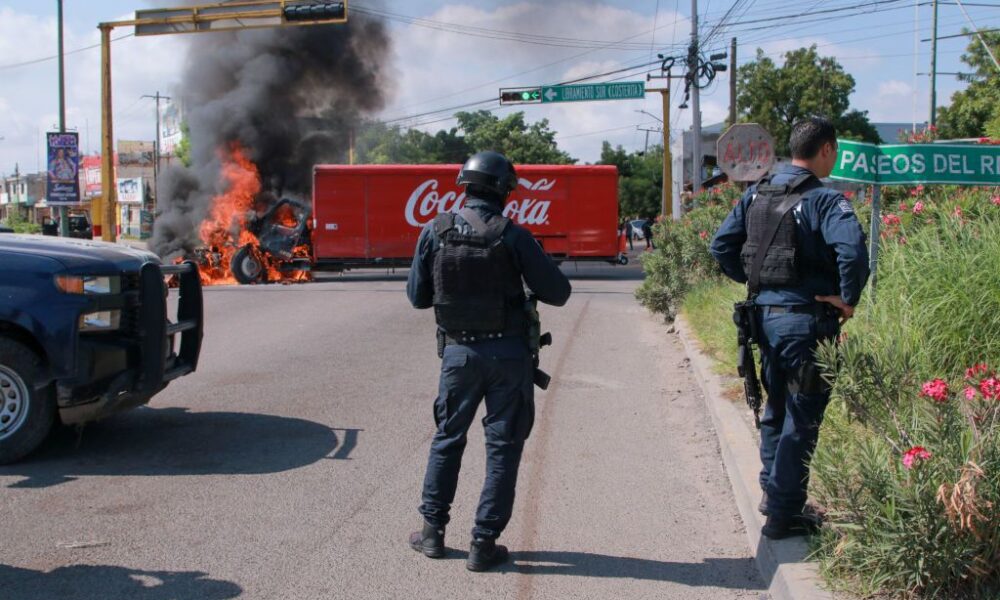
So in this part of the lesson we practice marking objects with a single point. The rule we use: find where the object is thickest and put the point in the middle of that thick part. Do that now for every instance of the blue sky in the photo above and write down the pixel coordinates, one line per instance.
(435, 69)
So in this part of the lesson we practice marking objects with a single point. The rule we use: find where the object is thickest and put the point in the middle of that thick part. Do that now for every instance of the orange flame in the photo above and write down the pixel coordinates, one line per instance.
(224, 230)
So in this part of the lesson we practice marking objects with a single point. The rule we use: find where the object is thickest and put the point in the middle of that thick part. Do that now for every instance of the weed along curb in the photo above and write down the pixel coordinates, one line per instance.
(781, 563)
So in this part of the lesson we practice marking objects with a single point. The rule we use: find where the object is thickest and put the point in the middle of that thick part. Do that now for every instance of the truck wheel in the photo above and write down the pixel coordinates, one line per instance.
(26, 411)
(246, 266)
(623, 260)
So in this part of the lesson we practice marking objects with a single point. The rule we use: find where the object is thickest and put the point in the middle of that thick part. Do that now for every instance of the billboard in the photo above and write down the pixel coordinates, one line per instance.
(170, 128)
(130, 190)
(63, 168)
(135, 153)
(90, 176)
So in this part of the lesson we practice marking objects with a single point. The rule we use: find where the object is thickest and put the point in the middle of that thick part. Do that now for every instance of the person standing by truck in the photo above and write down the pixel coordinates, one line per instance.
(471, 267)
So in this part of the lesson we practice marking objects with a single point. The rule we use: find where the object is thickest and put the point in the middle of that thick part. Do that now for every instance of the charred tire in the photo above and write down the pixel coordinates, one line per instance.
(246, 266)
(27, 412)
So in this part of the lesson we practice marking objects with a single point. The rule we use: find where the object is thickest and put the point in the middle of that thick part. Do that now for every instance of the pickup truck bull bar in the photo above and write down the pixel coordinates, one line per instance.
(160, 362)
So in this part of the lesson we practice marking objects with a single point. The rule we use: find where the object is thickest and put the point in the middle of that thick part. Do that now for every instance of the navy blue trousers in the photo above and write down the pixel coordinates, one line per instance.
(796, 401)
(501, 372)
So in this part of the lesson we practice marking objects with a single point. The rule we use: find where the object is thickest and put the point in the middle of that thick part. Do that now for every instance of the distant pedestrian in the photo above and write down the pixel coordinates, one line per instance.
(647, 232)
(627, 232)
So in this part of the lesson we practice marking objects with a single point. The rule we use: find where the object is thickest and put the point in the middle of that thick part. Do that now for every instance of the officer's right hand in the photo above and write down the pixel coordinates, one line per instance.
(846, 310)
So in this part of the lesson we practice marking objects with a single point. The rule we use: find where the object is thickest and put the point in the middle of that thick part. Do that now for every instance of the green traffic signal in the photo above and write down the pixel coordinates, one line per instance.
(526, 95)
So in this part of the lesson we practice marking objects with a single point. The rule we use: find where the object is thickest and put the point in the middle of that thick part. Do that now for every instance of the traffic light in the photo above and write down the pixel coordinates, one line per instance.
(315, 11)
(521, 96)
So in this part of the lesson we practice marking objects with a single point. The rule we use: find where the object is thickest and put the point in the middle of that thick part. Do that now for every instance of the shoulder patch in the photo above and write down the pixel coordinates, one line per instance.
(845, 205)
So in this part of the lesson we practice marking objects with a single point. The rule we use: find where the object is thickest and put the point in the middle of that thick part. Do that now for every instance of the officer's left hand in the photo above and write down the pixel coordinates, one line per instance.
(845, 309)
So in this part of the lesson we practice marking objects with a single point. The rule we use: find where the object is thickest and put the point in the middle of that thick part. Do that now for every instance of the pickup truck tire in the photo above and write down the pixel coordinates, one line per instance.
(27, 412)
(246, 266)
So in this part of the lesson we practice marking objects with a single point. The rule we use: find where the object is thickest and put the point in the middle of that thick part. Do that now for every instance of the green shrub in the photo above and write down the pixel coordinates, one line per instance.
(931, 529)
(19, 224)
(681, 259)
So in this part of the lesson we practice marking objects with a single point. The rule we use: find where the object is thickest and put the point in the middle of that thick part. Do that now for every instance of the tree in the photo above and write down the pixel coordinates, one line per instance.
(513, 137)
(640, 179)
(978, 103)
(806, 85)
(379, 143)
(183, 150)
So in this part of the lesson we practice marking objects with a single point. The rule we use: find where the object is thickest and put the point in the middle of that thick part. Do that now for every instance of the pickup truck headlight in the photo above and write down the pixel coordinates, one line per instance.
(105, 320)
(88, 284)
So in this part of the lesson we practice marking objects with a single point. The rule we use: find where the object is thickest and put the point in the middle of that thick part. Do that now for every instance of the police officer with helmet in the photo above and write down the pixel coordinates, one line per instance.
(801, 251)
(472, 267)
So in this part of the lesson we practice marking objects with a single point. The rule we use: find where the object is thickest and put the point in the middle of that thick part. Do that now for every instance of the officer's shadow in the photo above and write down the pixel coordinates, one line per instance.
(85, 582)
(738, 573)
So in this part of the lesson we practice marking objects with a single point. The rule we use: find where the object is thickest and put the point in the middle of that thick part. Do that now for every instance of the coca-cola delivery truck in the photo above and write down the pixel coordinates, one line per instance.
(371, 215)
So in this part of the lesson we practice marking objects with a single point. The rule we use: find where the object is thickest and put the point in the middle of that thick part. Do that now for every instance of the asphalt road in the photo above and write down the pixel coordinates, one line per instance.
(289, 466)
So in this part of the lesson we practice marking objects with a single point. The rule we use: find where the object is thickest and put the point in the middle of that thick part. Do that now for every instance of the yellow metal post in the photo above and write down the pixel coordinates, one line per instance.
(668, 184)
(105, 214)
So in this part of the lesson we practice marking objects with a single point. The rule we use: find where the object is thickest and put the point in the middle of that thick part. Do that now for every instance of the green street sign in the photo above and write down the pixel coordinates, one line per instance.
(907, 164)
(619, 90)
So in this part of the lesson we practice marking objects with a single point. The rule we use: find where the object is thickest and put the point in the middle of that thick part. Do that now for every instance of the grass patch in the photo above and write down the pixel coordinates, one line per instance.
(708, 308)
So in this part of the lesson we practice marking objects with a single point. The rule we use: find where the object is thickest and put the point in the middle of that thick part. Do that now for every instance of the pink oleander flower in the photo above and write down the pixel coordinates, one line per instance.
(995, 200)
(970, 392)
(849, 195)
(703, 235)
(902, 240)
(990, 388)
(891, 219)
(914, 456)
(918, 207)
(958, 212)
(976, 369)
(903, 207)
(936, 390)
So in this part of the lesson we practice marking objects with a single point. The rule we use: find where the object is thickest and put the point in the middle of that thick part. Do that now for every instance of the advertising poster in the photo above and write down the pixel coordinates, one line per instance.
(130, 190)
(136, 153)
(63, 168)
(90, 169)
(170, 128)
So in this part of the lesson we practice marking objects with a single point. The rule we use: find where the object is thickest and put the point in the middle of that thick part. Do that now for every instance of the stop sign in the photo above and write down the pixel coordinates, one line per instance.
(745, 152)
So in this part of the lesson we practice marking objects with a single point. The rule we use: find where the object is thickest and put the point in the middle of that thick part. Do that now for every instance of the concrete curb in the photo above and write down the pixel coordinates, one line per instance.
(781, 563)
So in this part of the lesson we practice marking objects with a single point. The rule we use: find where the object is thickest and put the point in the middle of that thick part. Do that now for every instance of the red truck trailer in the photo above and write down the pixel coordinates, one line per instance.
(371, 215)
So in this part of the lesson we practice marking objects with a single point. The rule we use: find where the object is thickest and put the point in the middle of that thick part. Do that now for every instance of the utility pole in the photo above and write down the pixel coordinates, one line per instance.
(934, 37)
(668, 183)
(156, 149)
(732, 82)
(63, 212)
(694, 63)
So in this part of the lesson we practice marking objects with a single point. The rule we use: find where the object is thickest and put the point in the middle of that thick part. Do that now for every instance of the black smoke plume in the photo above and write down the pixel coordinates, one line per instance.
(289, 96)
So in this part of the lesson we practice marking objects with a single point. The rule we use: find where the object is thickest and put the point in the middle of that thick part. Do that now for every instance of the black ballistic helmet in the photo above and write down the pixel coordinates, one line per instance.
(489, 171)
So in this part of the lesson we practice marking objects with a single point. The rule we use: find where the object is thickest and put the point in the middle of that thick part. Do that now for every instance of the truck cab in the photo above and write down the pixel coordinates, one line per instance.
(85, 332)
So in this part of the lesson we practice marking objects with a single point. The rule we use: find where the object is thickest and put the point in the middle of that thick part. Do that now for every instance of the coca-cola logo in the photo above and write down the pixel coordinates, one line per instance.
(426, 202)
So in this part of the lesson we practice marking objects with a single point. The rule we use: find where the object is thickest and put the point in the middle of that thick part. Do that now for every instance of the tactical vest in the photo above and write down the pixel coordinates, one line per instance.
(476, 282)
(770, 255)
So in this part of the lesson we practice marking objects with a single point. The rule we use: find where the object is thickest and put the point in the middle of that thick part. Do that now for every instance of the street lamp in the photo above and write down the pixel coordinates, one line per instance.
(650, 114)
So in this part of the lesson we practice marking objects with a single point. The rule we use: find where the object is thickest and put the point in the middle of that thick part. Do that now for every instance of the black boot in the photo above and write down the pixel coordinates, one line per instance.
(762, 507)
(485, 553)
(430, 541)
(779, 528)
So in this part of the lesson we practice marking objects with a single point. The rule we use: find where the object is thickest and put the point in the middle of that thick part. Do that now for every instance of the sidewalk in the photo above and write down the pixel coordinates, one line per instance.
(782, 563)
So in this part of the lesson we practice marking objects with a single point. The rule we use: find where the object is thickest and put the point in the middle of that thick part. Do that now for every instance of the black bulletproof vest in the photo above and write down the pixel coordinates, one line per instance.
(475, 279)
(770, 255)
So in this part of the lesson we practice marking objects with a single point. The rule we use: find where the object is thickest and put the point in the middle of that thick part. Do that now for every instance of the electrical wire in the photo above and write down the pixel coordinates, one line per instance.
(36, 61)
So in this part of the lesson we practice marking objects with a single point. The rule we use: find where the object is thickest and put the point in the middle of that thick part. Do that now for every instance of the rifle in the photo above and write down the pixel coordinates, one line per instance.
(537, 340)
(747, 335)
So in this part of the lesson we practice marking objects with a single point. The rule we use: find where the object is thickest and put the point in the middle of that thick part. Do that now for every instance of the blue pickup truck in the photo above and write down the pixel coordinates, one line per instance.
(87, 329)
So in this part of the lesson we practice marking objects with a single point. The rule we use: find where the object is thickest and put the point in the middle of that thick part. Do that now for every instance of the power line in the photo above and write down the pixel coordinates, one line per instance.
(35, 61)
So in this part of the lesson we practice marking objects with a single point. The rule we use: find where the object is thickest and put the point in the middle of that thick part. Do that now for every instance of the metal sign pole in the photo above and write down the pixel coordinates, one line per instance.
(874, 235)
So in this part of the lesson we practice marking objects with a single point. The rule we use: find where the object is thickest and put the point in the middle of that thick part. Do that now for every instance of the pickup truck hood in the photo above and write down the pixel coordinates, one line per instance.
(80, 256)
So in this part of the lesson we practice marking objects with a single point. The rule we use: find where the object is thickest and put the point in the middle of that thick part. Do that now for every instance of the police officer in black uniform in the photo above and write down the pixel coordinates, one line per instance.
(471, 267)
(801, 250)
